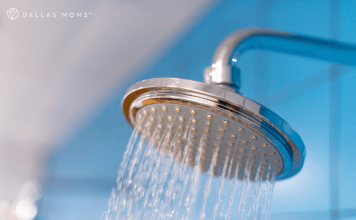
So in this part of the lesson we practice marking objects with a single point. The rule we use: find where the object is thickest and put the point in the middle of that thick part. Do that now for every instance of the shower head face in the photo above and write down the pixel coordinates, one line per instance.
(178, 127)
(199, 121)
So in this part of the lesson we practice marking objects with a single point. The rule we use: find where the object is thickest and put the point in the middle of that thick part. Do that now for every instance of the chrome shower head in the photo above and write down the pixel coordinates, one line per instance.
(199, 114)
(213, 123)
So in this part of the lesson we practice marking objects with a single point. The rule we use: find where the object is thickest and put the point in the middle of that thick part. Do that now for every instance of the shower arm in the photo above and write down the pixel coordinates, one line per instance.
(224, 72)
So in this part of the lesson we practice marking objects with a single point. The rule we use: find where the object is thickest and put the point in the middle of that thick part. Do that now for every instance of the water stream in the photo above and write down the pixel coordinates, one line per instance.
(160, 179)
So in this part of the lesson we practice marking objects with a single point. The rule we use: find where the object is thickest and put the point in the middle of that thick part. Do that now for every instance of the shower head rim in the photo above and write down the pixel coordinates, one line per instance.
(296, 145)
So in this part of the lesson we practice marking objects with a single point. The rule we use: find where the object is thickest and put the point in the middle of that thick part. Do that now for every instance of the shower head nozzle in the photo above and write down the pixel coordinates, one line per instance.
(205, 121)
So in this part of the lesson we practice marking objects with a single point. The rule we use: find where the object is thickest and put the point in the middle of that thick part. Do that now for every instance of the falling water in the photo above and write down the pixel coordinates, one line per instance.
(159, 178)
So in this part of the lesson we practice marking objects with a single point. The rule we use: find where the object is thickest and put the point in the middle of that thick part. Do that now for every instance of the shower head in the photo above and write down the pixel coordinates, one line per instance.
(213, 123)
(200, 114)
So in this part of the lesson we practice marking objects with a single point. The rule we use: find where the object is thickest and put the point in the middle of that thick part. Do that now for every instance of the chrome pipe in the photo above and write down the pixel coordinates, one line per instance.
(224, 72)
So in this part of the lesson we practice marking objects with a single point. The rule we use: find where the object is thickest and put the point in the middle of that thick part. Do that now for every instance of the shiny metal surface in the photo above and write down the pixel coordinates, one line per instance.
(221, 103)
(223, 70)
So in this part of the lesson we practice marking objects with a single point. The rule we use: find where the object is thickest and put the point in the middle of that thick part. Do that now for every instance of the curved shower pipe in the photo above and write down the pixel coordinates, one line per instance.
(223, 71)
